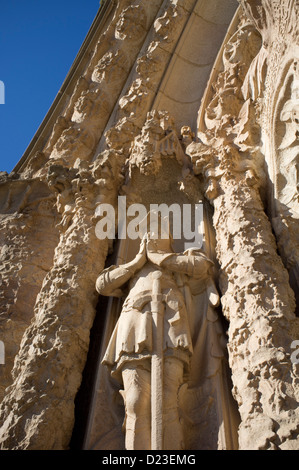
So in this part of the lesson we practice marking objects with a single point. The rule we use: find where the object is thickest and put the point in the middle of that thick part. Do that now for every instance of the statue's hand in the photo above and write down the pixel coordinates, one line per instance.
(140, 259)
(142, 249)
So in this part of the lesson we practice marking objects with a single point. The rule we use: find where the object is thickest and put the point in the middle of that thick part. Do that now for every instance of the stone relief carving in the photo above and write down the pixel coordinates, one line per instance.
(289, 147)
(272, 86)
(231, 162)
(67, 288)
(201, 389)
(157, 141)
(285, 159)
(151, 347)
(184, 400)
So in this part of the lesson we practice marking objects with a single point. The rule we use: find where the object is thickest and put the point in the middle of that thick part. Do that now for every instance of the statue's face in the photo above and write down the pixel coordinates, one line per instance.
(159, 234)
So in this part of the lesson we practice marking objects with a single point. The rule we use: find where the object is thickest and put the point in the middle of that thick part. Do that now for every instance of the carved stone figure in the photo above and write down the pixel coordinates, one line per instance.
(288, 157)
(150, 349)
(172, 104)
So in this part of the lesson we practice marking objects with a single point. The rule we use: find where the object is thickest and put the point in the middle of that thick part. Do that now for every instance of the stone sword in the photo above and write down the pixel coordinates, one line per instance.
(157, 308)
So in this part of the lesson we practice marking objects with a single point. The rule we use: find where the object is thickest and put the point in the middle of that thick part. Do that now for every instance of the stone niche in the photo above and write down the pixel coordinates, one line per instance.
(159, 171)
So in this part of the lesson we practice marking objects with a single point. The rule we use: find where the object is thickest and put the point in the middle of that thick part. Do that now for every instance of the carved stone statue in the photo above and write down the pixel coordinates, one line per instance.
(150, 349)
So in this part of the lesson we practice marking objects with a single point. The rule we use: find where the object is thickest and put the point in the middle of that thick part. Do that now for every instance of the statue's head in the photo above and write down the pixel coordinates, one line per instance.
(160, 244)
(159, 236)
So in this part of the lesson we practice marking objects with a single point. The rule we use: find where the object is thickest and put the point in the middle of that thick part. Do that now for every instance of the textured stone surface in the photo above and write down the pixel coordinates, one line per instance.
(157, 172)
(228, 77)
(28, 238)
(257, 298)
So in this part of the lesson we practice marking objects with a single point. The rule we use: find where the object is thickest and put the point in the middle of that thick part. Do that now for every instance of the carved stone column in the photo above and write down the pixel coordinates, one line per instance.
(256, 295)
(38, 409)
(279, 94)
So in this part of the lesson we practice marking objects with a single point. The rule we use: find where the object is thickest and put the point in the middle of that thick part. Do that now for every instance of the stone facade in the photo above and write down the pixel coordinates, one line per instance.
(186, 102)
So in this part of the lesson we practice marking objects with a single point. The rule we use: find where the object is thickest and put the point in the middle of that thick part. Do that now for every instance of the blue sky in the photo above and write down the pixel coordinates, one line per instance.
(39, 41)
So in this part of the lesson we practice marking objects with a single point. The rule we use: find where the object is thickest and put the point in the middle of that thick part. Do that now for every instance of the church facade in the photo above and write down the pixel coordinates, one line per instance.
(155, 337)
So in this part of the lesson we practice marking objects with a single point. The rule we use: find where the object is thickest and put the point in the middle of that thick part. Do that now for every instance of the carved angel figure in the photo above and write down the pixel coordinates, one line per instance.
(156, 279)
